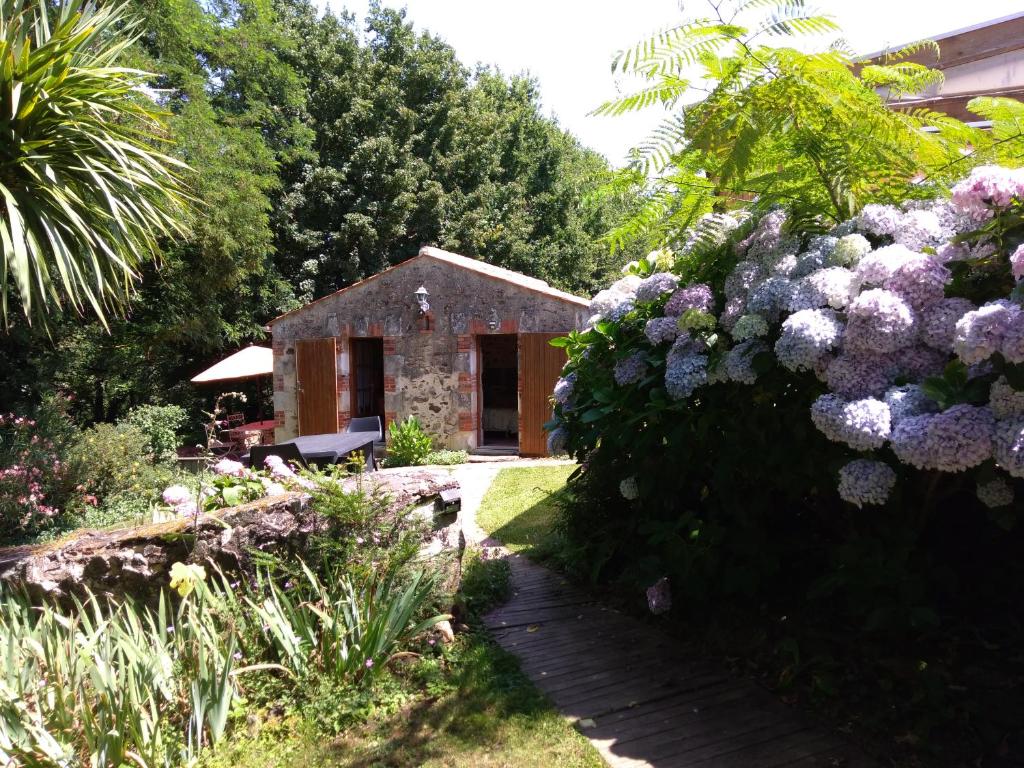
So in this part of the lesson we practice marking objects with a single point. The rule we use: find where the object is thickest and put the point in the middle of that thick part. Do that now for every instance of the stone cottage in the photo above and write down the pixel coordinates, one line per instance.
(458, 343)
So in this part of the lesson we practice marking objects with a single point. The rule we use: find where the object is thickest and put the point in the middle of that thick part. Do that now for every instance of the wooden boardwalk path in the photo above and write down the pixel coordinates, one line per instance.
(640, 702)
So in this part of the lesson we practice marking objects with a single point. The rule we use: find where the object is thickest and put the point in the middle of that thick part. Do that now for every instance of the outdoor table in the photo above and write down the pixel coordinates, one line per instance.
(328, 448)
(244, 435)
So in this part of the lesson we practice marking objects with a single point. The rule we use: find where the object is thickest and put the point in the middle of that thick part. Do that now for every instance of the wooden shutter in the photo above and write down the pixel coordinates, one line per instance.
(540, 365)
(316, 368)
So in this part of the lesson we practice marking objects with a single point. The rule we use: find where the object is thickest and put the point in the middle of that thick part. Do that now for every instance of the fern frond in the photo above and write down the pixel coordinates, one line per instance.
(666, 92)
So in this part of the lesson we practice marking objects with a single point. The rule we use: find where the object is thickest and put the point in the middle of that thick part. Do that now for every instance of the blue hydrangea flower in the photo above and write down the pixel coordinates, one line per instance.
(906, 401)
(806, 337)
(631, 369)
(921, 228)
(564, 389)
(1008, 446)
(744, 276)
(770, 298)
(861, 424)
(685, 369)
(1005, 401)
(879, 321)
(956, 439)
(734, 309)
(558, 441)
(918, 362)
(865, 481)
(657, 285)
(833, 287)
(738, 363)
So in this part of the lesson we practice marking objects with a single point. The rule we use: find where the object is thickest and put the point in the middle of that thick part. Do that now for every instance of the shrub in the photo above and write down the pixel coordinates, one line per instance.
(446, 457)
(108, 460)
(788, 431)
(160, 424)
(408, 444)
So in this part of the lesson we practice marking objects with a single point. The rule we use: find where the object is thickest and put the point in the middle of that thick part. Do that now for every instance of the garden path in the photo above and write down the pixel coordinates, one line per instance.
(626, 686)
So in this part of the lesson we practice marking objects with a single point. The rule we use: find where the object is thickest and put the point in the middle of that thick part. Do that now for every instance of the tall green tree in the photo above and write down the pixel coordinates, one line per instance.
(753, 119)
(85, 197)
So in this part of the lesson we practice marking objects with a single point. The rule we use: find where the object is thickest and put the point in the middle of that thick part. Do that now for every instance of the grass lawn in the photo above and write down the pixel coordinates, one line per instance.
(519, 509)
(471, 706)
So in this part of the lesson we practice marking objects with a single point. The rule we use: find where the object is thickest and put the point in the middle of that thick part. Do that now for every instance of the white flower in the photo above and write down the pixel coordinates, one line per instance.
(629, 490)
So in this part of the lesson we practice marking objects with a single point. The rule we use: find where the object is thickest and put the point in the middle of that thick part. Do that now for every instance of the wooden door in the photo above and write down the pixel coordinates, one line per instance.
(316, 371)
(540, 365)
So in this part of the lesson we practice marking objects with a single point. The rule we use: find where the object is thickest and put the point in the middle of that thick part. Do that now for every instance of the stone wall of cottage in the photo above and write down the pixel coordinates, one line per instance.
(429, 361)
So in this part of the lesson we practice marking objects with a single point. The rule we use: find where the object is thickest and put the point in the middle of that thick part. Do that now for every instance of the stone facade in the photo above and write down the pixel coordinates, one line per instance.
(430, 360)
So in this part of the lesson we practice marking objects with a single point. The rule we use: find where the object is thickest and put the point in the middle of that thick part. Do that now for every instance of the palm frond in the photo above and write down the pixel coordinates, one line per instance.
(85, 197)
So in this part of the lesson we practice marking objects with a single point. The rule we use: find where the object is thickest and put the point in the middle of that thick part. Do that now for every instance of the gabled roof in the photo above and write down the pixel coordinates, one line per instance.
(463, 262)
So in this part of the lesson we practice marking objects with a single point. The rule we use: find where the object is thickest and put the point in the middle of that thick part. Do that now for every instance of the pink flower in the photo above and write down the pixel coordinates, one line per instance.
(176, 495)
(1017, 263)
(230, 467)
(369, 663)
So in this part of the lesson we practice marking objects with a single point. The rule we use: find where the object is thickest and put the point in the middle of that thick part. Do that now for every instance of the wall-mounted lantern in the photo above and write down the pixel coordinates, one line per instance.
(421, 299)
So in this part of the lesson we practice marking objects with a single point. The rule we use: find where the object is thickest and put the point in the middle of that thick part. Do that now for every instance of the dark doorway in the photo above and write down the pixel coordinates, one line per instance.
(499, 390)
(368, 378)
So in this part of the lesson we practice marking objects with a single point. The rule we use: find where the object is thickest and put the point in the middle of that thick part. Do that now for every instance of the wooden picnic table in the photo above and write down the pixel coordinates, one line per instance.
(253, 433)
(328, 448)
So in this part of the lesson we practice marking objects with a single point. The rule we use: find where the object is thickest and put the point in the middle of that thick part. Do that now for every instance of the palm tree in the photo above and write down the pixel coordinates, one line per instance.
(84, 196)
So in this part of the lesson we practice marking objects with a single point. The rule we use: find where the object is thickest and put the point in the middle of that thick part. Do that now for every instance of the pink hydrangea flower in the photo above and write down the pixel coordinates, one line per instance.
(230, 467)
(1017, 262)
(176, 495)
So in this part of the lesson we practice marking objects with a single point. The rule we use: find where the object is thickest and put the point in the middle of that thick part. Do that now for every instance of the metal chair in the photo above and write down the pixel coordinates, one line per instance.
(215, 445)
(287, 451)
(367, 424)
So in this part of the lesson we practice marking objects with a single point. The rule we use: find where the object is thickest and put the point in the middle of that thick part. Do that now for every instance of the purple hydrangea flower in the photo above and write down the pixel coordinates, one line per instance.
(766, 237)
(879, 321)
(738, 362)
(697, 296)
(806, 337)
(734, 310)
(856, 375)
(918, 362)
(631, 369)
(807, 264)
(1008, 446)
(877, 267)
(865, 481)
(980, 333)
(744, 276)
(988, 187)
(938, 322)
(833, 286)
(1005, 401)
(661, 329)
(1012, 347)
(879, 220)
(952, 441)
(920, 280)
(659, 596)
(861, 424)
(921, 228)
(657, 285)
(176, 495)
(995, 493)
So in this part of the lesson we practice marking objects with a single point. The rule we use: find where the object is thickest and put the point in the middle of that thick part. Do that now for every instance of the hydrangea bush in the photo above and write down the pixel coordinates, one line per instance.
(787, 390)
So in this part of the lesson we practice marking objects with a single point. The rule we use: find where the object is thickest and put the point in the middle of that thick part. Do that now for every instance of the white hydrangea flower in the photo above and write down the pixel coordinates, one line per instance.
(629, 489)
(877, 267)
(863, 425)
(849, 250)
(806, 337)
(880, 220)
(833, 286)
(995, 493)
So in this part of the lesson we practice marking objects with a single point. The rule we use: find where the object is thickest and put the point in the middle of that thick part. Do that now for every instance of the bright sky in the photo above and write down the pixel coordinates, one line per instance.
(568, 45)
